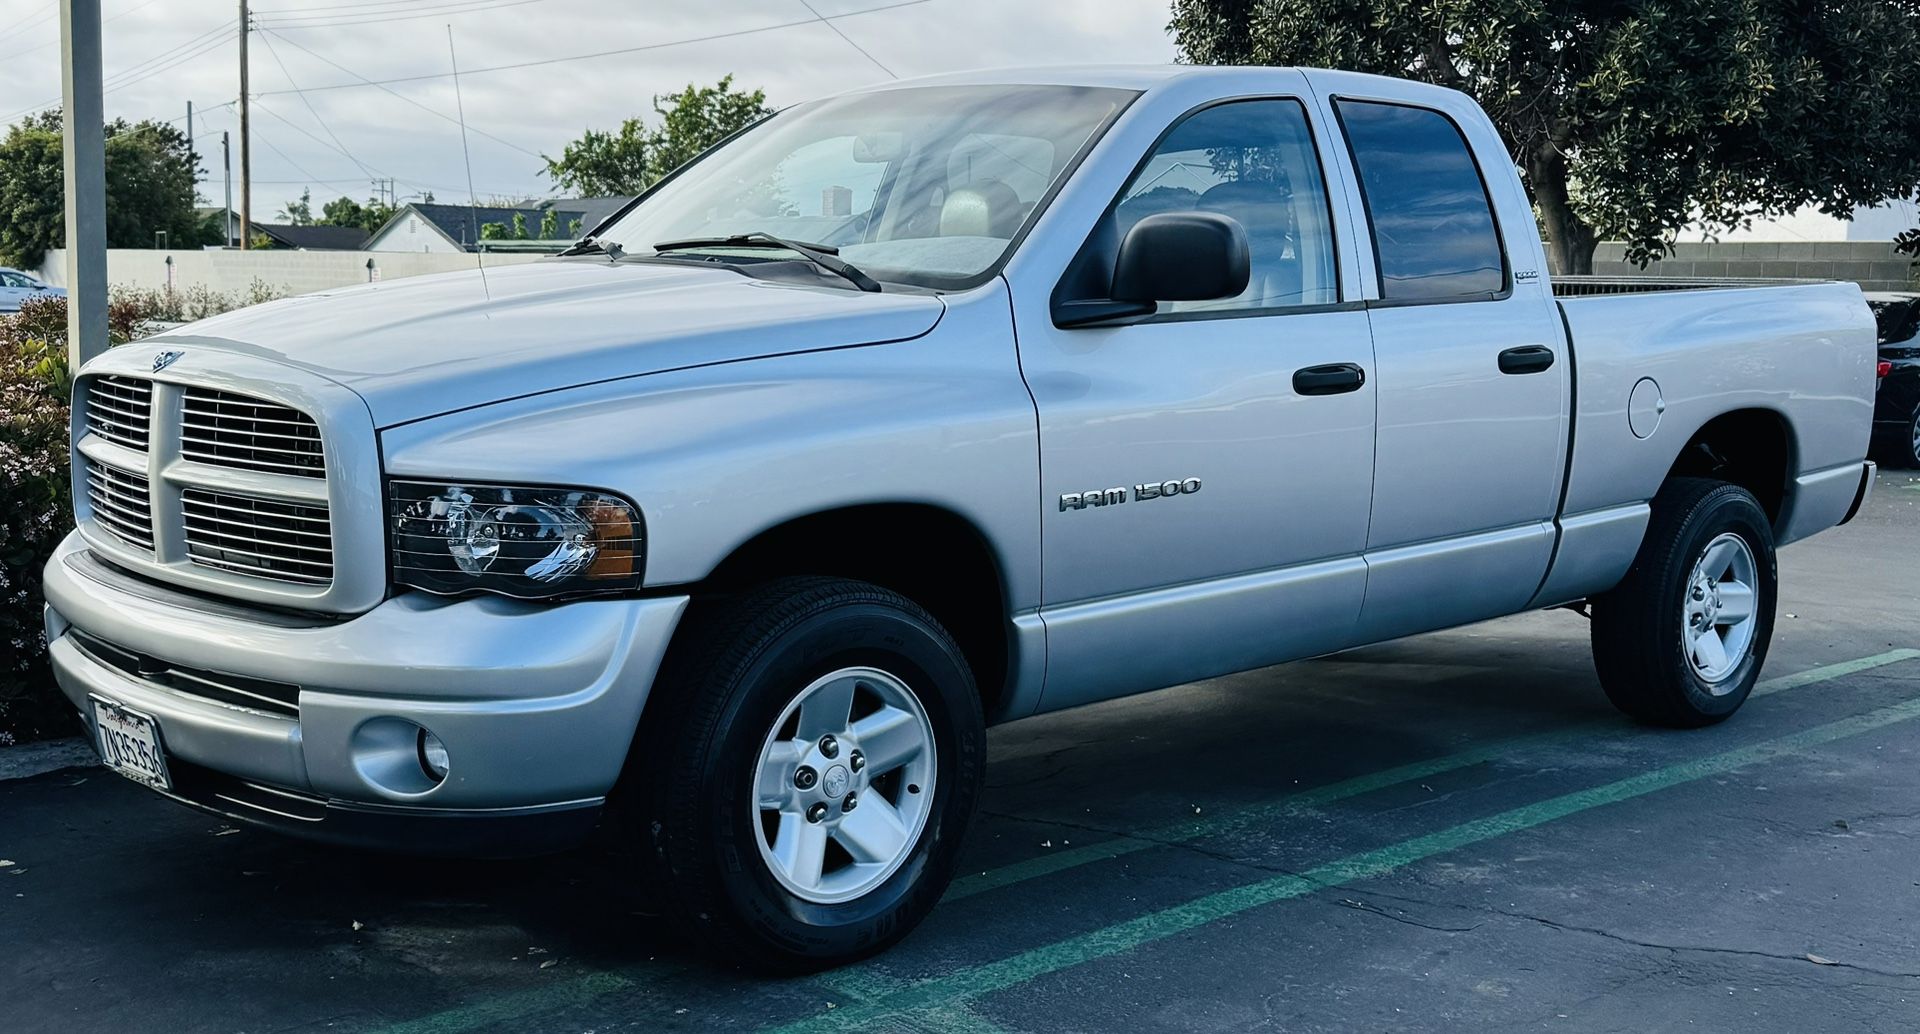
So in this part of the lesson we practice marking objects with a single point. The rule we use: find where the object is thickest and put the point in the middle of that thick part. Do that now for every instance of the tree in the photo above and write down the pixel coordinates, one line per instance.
(345, 211)
(1631, 121)
(627, 162)
(299, 213)
(150, 177)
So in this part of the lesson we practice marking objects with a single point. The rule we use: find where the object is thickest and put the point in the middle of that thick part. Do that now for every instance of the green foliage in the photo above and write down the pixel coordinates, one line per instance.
(626, 162)
(35, 499)
(345, 211)
(35, 508)
(150, 175)
(1632, 121)
(299, 213)
(550, 225)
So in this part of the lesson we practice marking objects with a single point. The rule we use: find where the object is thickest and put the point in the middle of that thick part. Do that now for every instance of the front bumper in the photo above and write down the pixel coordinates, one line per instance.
(536, 704)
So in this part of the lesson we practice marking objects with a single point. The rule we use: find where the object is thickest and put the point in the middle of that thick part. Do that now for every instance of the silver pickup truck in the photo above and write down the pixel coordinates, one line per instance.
(901, 413)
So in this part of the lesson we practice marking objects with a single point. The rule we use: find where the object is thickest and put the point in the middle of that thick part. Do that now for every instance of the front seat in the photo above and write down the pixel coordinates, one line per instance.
(985, 208)
(1265, 210)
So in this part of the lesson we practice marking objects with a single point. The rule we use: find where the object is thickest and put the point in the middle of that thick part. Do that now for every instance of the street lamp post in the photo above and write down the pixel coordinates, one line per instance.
(83, 117)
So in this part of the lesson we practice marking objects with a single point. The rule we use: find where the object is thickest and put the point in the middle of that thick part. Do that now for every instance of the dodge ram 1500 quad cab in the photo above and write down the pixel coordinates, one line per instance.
(897, 414)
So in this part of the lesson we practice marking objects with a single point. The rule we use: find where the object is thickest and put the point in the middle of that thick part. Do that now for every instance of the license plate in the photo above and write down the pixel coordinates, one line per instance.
(130, 744)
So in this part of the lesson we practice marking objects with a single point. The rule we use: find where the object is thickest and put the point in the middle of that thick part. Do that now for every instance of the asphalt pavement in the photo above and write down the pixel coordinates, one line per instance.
(1451, 832)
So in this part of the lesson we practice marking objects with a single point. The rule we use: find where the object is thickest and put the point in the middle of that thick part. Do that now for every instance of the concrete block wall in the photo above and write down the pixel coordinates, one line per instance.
(292, 272)
(1874, 265)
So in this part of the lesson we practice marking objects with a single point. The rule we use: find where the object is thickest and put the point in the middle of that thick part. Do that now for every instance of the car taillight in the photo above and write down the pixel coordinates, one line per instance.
(1886, 367)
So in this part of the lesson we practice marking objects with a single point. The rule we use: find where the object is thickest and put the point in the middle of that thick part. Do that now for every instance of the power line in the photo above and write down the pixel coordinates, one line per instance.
(330, 21)
(395, 93)
(32, 23)
(51, 43)
(165, 61)
(335, 137)
(836, 31)
(470, 72)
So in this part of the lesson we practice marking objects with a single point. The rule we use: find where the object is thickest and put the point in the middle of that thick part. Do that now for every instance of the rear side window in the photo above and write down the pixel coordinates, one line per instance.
(1433, 228)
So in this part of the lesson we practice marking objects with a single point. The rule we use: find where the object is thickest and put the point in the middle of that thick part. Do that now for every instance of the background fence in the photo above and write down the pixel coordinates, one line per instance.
(293, 272)
(1874, 265)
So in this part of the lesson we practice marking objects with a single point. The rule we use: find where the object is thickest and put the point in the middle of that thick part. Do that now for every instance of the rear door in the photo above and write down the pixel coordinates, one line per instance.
(1473, 376)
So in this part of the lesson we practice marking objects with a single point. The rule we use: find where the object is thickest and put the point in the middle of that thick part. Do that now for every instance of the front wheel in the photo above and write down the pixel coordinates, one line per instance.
(1680, 641)
(806, 772)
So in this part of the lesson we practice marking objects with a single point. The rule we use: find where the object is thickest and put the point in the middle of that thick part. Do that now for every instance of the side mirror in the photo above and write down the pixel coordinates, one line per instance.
(1182, 257)
(1170, 257)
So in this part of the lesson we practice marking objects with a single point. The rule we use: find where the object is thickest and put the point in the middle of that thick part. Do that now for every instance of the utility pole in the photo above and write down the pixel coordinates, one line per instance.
(246, 150)
(84, 153)
(193, 158)
(226, 163)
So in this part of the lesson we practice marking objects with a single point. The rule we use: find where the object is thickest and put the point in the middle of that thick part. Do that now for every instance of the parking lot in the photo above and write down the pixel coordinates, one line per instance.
(1449, 832)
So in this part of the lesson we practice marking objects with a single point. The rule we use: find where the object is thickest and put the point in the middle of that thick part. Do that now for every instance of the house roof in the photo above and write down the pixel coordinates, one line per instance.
(460, 224)
(314, 238)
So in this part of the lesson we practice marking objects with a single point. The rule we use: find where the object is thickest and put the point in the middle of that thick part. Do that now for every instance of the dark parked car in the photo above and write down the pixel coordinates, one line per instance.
(1896, 410)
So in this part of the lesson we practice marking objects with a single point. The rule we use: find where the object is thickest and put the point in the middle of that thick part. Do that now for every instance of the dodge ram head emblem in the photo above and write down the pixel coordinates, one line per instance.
(162, 360)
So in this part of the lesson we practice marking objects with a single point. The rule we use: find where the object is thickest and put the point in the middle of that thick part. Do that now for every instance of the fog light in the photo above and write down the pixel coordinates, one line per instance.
(433, 756)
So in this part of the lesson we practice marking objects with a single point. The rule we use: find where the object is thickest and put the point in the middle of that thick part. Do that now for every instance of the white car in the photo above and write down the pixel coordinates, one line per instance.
(17, 287)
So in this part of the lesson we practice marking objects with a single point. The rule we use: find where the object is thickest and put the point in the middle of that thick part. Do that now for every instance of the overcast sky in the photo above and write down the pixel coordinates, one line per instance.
(160, 54)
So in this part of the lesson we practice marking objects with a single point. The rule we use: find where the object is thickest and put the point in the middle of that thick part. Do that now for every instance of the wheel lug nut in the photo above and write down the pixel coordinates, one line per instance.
(804, 777)
(856, 761)
(817, 812)
(829, 746)
(848, 803)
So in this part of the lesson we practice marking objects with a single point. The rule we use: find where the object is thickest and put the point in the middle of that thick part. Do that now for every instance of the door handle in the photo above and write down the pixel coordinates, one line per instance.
(1332, 379)
(1526, 359)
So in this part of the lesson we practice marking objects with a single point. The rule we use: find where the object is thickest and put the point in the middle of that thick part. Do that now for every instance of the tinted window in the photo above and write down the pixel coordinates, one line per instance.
(1432, 224)
(1252, 161)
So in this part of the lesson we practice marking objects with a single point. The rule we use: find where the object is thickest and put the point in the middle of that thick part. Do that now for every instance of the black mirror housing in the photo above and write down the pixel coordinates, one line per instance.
(1182, 257)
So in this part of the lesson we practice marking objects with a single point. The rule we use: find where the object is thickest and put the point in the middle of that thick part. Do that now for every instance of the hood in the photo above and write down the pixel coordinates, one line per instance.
(428, 345)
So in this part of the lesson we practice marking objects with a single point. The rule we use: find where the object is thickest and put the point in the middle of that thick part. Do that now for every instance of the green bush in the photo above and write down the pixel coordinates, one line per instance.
(35, 513)
(35, 490)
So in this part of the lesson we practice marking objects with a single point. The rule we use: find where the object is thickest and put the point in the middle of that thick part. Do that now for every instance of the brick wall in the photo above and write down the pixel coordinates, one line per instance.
(1874, 265)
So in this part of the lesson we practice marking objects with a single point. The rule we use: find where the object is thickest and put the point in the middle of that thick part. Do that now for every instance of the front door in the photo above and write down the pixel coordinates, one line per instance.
(1206, 473)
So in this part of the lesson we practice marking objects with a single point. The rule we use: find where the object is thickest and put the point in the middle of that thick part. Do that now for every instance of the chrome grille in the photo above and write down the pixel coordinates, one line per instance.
(120, 409)
(122, 503)
(231, 430)
(265, 538)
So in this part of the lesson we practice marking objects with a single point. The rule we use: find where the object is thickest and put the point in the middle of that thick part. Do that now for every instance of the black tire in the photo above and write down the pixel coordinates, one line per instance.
(1639, 646)
(690, 786)
(1910, 452)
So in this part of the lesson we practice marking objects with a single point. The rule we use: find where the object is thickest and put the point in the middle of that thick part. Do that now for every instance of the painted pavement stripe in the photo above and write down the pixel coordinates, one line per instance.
(973, 982)
(857, 984)
(1295, 805)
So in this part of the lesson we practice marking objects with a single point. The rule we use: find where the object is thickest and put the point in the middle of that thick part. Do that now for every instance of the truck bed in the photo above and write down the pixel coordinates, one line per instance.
(1802, 351)
(1587, 286)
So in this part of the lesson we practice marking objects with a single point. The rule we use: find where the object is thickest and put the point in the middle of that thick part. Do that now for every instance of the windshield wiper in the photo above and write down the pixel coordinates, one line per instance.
(826, 256)
(590, 245)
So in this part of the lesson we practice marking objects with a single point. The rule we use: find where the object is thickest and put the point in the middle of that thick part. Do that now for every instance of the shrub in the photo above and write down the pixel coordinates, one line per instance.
(35, 490)
(35, 513)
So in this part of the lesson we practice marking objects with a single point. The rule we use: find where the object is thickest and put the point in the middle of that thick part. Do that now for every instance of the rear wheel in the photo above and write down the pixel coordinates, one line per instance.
(1912, 456)
(1681, 639)
(807, 769)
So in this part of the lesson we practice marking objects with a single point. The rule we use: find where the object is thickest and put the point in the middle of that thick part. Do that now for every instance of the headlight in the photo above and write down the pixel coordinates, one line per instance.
(528, 542)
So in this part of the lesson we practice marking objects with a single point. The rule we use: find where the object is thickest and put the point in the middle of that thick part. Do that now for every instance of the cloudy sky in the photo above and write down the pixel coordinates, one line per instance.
(582, 64)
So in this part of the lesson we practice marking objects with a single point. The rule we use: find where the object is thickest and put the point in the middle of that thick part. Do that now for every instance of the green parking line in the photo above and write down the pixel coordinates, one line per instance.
(864, 983)
(974, 982)
(1294, 805)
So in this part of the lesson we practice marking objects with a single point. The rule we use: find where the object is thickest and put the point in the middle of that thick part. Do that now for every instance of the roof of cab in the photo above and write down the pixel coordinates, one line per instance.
(1130, 77)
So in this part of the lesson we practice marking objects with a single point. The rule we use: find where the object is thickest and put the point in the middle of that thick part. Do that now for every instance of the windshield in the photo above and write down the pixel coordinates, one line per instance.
(920, 185)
